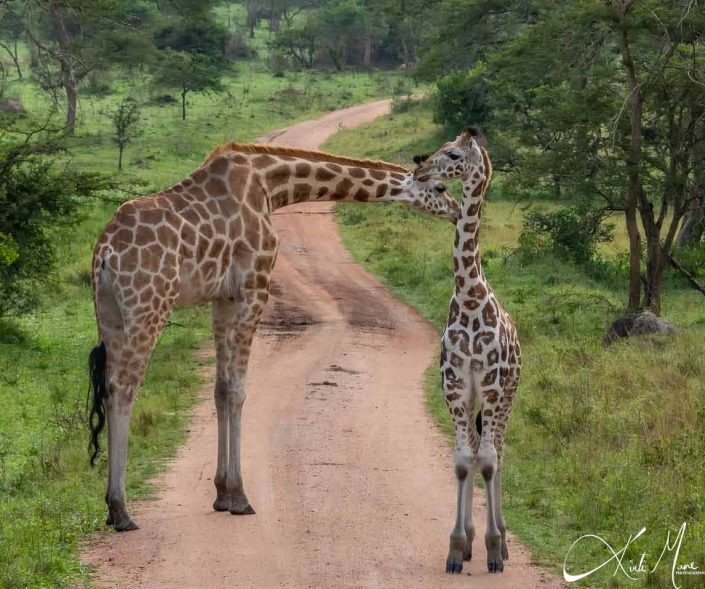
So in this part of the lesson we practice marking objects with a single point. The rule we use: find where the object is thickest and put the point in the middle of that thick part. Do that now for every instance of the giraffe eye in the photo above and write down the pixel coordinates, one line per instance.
(440, 188)
(454, 156)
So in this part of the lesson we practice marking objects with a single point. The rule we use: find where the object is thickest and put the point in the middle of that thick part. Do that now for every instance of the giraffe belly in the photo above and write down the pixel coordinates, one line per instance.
(196, 287)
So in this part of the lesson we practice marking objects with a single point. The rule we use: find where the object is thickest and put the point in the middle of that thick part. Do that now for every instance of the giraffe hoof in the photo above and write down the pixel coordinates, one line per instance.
(242, 510)
(109, 520)
(467, 554)
(126, 526)
(495, 566)
(505, 552)
(454, 564)
(221, 505)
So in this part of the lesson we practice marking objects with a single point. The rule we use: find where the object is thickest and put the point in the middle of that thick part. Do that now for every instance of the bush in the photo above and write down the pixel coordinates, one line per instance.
(35, 199)
(572, 233)
(402, 97)
(460, 99)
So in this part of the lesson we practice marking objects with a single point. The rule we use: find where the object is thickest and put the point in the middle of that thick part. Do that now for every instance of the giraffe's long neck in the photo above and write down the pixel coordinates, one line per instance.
(288, 182)
(469, 278)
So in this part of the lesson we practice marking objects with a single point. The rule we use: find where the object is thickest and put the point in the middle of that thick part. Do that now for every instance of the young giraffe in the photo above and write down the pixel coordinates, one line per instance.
(209, 239)
(480, 358)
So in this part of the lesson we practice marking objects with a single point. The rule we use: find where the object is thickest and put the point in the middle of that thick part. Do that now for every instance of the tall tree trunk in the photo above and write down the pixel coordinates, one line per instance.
(68, 75)
(251, 17)
(71, 103)
(405, 51)
(693, 227)
(634, 187)
(15, 58)
(120, 148)
(336, 58)
(183, 104)
(367, 55)
(654, 256)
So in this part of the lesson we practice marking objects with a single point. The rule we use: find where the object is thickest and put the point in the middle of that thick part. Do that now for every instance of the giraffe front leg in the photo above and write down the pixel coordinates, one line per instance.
(459, 540)
(233, 328)
(223, 313)
(239, 504)
(499, 445)
(499, 515)
(457, 396)
(474, 442)
(487, 462)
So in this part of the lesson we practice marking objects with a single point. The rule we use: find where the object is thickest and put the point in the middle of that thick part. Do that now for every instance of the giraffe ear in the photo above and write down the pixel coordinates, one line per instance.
(419, 159)
(473, 133)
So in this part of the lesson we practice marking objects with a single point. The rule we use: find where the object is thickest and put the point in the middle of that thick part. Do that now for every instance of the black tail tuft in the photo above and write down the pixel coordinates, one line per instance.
(478, 422)
(97, 361)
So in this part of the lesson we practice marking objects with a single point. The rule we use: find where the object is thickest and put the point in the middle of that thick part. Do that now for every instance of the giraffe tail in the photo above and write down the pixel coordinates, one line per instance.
(97, 361)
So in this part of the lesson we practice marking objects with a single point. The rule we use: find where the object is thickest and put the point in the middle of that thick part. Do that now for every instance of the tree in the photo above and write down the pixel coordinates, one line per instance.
(598, 102)
(11, 32)
(299, 44)
(200, 36)
(67, 36)
(346, 26)
(124, 118)
(251, 6)
(186, 72)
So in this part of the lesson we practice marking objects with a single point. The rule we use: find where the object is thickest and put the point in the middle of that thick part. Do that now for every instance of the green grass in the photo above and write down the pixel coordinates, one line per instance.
(601, 441)
(49, 497)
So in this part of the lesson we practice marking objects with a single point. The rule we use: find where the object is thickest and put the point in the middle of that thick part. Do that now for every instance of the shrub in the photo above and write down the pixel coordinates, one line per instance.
(35, 199)
(461, 98)
(572, 233)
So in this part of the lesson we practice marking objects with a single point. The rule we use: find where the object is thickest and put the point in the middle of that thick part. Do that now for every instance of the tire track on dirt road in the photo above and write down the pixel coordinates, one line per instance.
(352, 483)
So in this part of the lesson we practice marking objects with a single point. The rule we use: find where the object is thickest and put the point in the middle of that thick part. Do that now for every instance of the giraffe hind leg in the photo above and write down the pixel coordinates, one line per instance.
(128, 353)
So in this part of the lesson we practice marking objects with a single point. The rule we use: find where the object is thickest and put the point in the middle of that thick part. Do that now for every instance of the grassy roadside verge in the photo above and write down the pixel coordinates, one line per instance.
(601, 441)
(49, 497)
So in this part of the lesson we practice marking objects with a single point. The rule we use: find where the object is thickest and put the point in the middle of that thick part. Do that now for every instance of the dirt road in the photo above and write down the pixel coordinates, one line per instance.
(352, 484)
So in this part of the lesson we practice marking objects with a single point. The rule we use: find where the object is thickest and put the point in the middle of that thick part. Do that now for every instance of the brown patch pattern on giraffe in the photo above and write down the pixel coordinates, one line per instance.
(480, 347)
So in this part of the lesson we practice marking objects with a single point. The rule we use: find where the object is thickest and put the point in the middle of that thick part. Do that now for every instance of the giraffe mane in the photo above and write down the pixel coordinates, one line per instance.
(323, 156)
(488, 169)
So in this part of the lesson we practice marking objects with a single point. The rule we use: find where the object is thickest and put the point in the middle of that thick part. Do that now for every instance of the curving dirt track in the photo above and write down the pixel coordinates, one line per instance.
(352, 484)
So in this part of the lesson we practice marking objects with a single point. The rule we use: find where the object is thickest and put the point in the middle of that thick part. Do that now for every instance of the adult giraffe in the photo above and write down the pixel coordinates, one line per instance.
(209, 239)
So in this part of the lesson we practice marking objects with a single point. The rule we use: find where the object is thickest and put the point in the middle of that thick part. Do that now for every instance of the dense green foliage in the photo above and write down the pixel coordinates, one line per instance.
(594, 101)
(601, 440)
(37, 198)
(572, 233)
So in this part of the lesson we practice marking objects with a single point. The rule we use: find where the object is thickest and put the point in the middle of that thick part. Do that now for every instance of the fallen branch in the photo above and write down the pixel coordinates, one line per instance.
(687, 274)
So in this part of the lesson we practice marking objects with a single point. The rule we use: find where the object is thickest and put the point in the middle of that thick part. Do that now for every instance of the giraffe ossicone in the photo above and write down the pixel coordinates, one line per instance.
(480, 357)
(209, 239)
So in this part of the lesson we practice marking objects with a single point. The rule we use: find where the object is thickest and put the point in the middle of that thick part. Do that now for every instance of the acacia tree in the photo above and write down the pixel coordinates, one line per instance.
(124, 118)
(68, 37)
(186, 72)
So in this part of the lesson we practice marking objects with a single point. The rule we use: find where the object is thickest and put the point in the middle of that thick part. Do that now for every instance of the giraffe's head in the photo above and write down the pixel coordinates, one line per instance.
(424, 192)
(459, 158)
